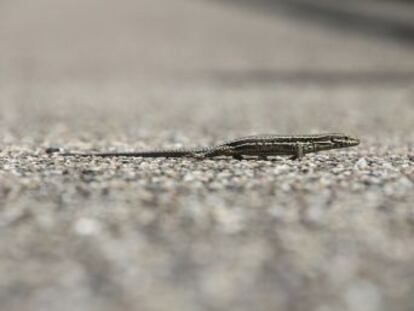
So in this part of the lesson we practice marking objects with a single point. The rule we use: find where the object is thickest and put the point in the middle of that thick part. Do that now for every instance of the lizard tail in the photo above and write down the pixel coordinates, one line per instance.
(144, 154)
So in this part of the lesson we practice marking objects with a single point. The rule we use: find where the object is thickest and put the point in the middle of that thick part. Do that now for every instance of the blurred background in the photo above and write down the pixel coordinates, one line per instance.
(210, 66)
(137, 74)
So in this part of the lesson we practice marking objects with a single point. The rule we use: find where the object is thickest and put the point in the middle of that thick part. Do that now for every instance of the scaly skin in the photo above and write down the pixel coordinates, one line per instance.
(260, 146)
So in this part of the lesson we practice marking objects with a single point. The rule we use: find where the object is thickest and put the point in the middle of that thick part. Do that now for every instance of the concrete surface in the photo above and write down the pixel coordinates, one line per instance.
(332, 232)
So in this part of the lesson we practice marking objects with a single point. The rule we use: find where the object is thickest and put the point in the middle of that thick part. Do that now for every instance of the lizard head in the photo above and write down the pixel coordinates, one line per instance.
(334, 141)
(343, 141)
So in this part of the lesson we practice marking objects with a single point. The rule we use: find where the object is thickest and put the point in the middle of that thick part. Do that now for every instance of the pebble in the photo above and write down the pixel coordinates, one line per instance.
(245, 215)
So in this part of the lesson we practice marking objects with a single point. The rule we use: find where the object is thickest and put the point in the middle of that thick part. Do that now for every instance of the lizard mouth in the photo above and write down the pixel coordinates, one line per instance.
(353, 141)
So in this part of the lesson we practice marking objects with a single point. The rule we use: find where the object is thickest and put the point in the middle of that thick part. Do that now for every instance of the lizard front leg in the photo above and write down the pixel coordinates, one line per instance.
(299, 153)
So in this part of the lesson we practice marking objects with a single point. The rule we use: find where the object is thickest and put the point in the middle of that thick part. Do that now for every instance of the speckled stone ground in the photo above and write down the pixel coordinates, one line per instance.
(332, 232)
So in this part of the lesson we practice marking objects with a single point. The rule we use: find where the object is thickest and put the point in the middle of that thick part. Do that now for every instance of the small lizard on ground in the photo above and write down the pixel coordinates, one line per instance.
(260, 146)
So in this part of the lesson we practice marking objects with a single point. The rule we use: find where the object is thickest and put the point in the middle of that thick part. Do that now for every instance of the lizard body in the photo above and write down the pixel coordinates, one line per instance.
(260, 146)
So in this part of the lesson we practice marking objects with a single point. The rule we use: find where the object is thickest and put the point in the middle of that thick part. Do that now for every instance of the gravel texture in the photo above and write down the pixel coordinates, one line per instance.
(334, 231)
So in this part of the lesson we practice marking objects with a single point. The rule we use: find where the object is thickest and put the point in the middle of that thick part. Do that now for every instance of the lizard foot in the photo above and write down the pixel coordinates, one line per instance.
(238, 157)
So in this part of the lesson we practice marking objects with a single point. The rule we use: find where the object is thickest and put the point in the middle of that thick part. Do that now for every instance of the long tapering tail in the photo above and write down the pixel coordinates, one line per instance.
(146, 154)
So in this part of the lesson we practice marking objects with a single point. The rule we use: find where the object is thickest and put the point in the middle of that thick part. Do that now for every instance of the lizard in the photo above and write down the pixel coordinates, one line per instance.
(260, 146)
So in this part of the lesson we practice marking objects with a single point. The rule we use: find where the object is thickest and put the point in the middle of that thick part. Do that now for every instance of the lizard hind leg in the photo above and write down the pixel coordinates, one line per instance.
(206, 154)
(217, 152)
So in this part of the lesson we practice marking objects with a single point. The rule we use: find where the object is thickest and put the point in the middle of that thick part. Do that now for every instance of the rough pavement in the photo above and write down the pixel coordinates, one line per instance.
(332, 232)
